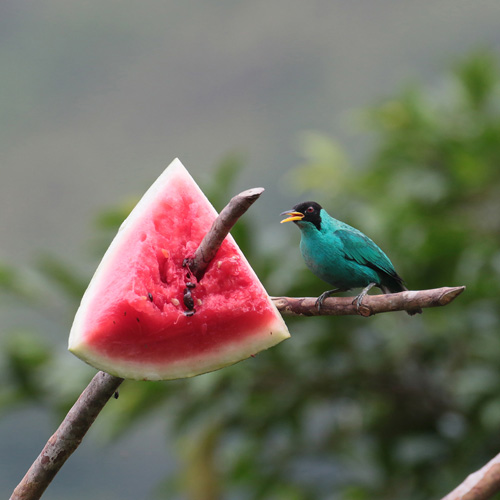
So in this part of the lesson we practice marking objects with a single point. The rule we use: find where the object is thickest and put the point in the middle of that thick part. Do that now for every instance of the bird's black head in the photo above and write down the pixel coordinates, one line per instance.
(307, 211)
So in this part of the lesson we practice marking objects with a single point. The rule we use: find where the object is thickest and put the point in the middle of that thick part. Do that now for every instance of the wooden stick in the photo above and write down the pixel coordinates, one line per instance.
(480, 485)
(372, 304)
(68, 436)
(221, 226)
(77, 422)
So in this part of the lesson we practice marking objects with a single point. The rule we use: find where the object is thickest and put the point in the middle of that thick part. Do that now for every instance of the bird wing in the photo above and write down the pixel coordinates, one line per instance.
(364, 251)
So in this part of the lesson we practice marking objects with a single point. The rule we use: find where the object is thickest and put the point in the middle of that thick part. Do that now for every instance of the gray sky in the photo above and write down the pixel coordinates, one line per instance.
(98, 97)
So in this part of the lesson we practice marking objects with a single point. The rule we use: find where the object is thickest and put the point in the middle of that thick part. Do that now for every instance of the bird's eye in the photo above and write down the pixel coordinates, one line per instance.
(309, 210)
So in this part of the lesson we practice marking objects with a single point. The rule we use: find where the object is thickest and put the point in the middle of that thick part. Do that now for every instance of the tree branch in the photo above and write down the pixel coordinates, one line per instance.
(68, 437)
(480, 485)
(77, 422)
(372, 304)
(221, 226)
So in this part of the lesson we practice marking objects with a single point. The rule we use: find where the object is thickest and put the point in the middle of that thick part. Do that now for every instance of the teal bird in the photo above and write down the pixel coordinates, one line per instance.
(341, 255)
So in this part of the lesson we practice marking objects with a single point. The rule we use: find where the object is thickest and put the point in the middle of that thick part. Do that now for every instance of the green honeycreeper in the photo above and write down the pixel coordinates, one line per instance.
(341, 255)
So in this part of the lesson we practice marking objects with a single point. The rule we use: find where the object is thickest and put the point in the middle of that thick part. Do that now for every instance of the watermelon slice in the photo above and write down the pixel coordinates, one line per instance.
(145, 317)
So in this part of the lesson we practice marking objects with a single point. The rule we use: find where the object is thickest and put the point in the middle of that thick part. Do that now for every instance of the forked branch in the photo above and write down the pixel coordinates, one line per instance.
(79, 419)
(77, 422)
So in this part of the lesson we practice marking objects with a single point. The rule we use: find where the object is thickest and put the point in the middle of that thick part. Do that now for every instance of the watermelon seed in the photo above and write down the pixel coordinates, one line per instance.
(150, 297)
(189, 313)
(137, 320)
(114, 322)
(175, 302)
(190, 284)
(124, 313)
(188, 299)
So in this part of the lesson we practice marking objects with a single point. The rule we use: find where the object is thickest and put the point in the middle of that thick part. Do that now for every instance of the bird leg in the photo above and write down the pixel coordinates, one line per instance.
(357, 300)
(324, 295)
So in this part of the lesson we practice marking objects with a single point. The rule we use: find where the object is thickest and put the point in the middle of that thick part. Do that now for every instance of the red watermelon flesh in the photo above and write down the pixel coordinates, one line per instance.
(133, 321)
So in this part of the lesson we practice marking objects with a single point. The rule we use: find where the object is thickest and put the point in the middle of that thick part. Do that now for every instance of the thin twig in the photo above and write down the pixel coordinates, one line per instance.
(77, 422)
(372, 304)
(68, 436)
(221, 226)
(480, 485)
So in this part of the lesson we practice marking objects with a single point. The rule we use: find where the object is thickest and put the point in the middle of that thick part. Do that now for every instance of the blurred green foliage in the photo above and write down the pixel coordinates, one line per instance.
(350, 408)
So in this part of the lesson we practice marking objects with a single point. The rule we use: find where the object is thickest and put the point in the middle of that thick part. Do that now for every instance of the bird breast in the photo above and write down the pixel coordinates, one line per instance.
(328, 261)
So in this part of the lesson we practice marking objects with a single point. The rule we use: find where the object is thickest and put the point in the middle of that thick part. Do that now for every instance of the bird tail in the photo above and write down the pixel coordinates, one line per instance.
(397, 286)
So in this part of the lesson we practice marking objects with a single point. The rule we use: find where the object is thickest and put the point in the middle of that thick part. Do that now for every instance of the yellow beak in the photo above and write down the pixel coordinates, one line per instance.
(292, 216)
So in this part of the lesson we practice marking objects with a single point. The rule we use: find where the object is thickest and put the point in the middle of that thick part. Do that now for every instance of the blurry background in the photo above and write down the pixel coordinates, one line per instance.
(387, 113)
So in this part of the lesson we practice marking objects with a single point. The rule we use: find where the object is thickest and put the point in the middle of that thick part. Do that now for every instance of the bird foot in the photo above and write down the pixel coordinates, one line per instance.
(324, 295)
(359, 298)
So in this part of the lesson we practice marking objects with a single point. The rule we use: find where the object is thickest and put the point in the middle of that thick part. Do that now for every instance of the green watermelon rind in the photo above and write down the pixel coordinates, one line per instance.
(274, 332)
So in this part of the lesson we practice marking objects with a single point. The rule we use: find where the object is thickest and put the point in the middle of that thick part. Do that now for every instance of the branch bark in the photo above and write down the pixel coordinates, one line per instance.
(480, 485)
(68, 437)
(221, 226)
(372, 304)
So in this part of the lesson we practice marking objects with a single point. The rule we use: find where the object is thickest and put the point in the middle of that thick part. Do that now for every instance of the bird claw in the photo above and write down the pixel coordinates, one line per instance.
(359, 298)
(324, 295)
(320, 300)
